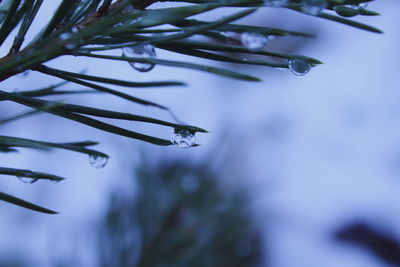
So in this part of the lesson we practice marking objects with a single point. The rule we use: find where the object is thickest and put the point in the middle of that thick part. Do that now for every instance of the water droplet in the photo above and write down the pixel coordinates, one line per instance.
(299, 67)
(56, 180)
(27, 177)
(363, 5)
(183, 138)
(142, 51)
(276, 3)
(314, 7)
(65, 35)
(27, 180)
(255, 42)
(98, 161)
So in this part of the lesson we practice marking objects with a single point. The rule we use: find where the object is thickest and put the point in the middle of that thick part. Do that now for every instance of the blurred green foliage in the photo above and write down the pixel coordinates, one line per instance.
(180, 215)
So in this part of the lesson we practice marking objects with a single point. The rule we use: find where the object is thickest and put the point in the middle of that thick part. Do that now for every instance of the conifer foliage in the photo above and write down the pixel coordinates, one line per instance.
(92, 28)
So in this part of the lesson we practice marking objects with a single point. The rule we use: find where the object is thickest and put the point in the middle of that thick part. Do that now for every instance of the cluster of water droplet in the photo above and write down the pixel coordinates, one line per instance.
(141, 51)
(183, 138)
(254, 42)
(299, 67)
(98, 161)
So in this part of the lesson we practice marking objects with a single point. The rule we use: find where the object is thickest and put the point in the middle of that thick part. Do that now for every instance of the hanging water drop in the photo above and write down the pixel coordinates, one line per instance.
(27, 177)
(27, 180)
(255, 42)
(183, 138)
(141, 51)
(98, 161)
(299, 67)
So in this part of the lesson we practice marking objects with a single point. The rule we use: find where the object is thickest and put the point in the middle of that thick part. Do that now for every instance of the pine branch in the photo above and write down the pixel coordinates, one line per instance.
(84, 28)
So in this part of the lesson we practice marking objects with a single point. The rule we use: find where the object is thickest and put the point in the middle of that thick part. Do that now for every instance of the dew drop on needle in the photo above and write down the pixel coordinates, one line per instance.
(299, 67)
(140, 51)
(98, 161)
(27, 177)
(183, 138)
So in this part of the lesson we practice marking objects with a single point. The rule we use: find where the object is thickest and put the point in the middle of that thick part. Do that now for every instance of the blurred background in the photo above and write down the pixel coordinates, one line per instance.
(297, 171)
